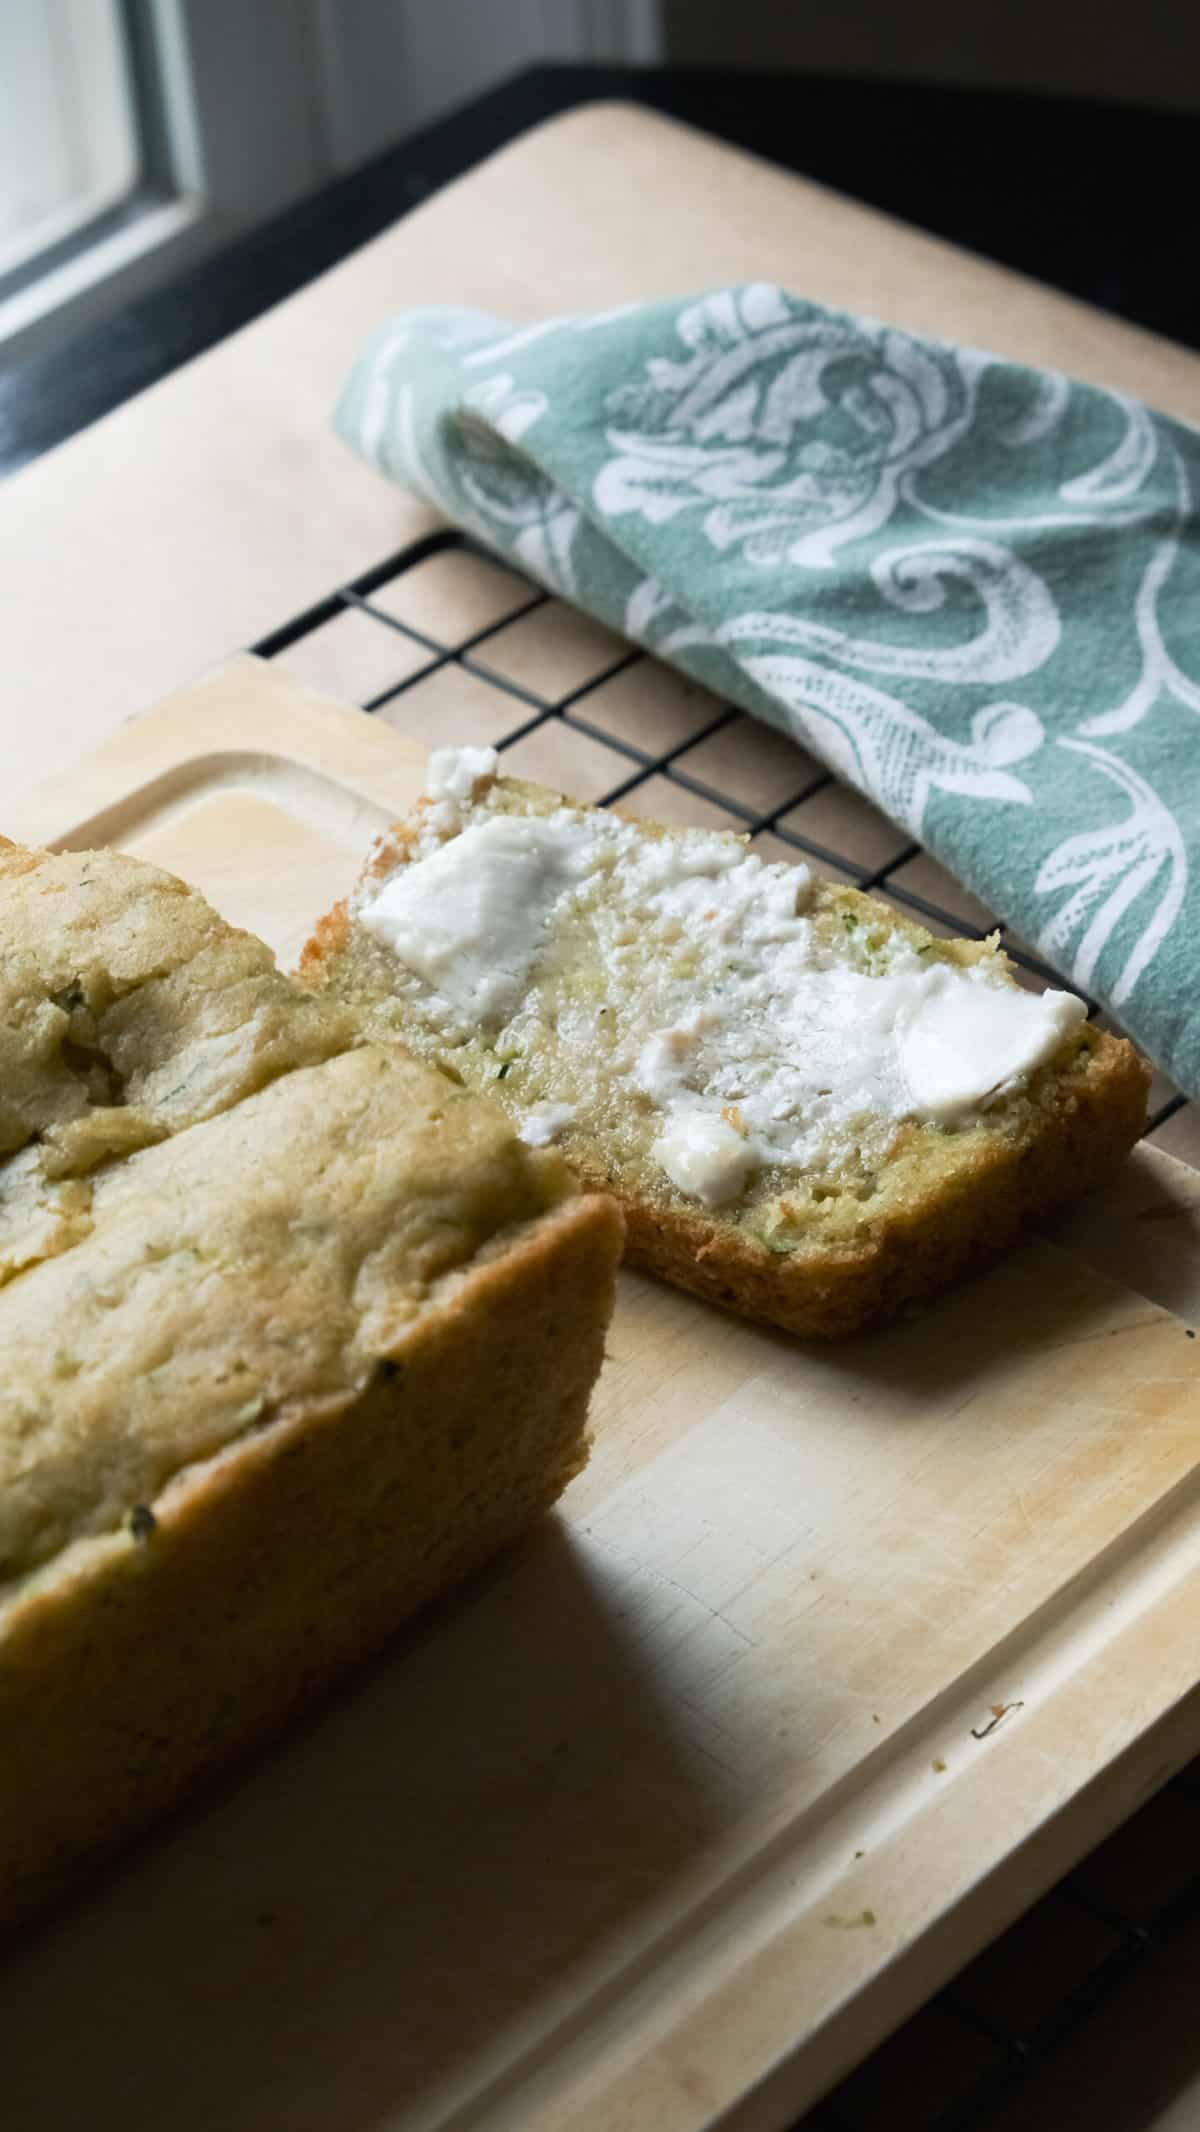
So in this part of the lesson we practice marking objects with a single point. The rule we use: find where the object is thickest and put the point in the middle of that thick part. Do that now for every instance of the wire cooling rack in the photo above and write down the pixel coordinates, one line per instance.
(448, 646)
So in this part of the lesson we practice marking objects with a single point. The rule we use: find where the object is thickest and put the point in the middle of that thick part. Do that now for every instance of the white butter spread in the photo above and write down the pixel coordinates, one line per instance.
(957, 1043)
(543, 1122)
(704, 1156)
(471, 917)
(683, 978)
(454, 773)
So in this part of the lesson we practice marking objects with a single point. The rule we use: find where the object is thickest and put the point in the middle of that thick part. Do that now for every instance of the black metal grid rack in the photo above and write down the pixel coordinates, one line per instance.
(1033, 1997)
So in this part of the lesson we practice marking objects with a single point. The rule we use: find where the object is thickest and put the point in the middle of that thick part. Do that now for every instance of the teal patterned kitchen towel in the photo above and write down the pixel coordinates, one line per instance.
(972, 588)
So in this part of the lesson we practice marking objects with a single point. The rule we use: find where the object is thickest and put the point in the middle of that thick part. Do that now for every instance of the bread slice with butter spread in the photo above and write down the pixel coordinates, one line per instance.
(811, 1110)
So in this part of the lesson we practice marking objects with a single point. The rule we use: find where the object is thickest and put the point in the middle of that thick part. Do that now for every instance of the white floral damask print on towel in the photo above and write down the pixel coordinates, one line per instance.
(890, 751)
(790, 436)
(505, 488)
(1115, 867)
(1020, 621)
(1160, 673)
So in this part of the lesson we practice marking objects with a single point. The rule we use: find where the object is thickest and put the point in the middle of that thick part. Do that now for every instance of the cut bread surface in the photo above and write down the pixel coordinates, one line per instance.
(294, 1332)
(275, 1253)
(810, 1108)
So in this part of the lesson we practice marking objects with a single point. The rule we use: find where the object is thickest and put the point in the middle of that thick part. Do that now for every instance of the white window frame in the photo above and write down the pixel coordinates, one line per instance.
(222, 65)
(77, 48)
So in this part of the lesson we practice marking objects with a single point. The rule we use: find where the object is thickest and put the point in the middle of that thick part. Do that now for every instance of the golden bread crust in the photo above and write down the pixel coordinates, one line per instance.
(1083, 1130)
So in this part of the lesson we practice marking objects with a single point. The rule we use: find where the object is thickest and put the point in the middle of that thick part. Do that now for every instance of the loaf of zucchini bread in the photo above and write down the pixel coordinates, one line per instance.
(294, 1332)
(811, 1110)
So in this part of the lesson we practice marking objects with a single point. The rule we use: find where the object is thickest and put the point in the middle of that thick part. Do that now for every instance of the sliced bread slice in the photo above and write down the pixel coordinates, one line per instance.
(811, 1110)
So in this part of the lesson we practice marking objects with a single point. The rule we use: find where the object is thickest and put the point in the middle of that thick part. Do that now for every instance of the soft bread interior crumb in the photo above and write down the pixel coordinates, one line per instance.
(209, 1205)
(664, 1013)
(129, 1011)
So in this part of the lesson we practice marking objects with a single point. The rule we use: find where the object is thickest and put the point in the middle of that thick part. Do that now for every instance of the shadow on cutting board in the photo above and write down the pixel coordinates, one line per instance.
(1036, 1301)
(382, 1898)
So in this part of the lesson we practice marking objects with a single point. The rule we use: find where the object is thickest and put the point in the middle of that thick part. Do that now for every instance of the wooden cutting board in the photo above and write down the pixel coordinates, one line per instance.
(834, 1660)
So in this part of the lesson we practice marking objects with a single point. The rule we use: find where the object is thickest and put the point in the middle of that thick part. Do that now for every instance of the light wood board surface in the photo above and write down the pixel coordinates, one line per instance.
(197, 517)
(667, 1818)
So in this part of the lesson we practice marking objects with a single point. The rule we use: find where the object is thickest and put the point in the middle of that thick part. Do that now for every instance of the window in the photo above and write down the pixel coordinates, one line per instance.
(68, 143)
(136, 135)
